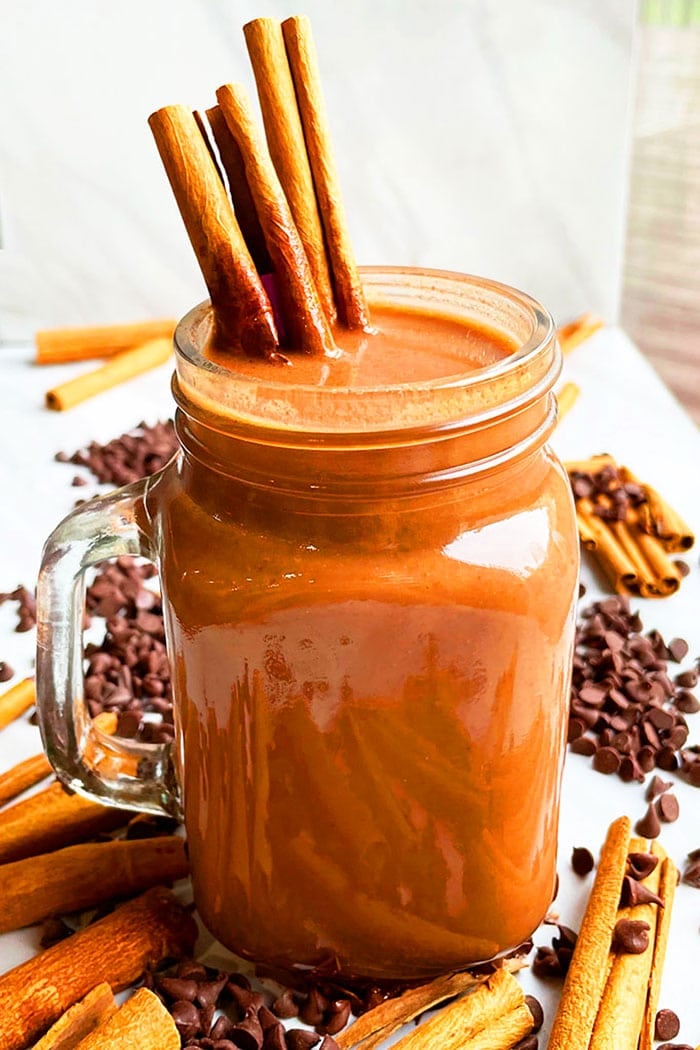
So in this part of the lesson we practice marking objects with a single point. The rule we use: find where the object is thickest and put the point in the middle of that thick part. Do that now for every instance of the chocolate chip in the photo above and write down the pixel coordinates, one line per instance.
(635, 892)
(682, 566)
(208, 992)
(535, 1008)
(311, 1012)
(186, 1017)
(656, 787)
(666, 1025)
(674, 1046)
(687, 679)
(631, 936)
(248, 1033)
(222, 1028)
(300, 1039)
(668, 808)
(606, 760)
(177, 988)
(335, 1018)
(582, 860)
(583, 746)
(648, 826)
(530, 1042)
(687, 702)
(285, 1005)
(275, 1038)
(678, 649)
(691, 874)
(640, 865)
(6, 672)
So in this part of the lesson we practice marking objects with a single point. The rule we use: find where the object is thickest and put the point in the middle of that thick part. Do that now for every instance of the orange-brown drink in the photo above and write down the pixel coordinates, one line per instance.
(369, 566)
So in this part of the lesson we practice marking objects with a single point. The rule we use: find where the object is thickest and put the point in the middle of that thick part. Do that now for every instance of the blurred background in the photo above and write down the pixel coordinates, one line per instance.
(490, 136)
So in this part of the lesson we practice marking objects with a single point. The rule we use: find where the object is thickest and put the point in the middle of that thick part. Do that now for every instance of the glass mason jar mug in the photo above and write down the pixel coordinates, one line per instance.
(369, 606)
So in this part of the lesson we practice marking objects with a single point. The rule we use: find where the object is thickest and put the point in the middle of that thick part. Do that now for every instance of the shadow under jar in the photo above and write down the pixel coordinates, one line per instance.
(369, 597)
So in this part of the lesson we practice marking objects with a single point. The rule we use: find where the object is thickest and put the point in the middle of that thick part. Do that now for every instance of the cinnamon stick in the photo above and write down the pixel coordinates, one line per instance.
(577, 331)
(18, 699)
(585, 981)
(85, 875)
(380, 1022)
(566, 399)
(303, 63)
(239, 190)
(22, 776)
(117, 949)
(496, 1010)
(117, 370)
(141, 1022)
(288, 150)
(304, 318)
(56, 346)
(619, 1018)
(668, 880)
(80, 1020)
(50, 820)
(241, 307)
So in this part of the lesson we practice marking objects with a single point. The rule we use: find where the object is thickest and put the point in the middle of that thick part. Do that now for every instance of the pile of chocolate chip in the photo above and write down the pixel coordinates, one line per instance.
(134, 455)
(194, 993)
(128, 672)
(625, 710)
(554, 961)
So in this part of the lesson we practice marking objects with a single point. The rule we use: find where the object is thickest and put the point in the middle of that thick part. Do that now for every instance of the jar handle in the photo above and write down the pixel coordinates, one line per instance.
(110, 770)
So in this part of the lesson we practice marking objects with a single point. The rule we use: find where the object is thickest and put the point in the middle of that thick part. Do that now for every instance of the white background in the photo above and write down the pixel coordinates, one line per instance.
(486, 136)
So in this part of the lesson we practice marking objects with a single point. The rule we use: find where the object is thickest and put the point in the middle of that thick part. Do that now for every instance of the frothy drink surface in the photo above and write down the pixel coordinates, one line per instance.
(371, 692)
(405, 346)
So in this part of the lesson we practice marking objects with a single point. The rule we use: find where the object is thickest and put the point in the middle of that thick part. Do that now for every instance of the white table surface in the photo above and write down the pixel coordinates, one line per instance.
(623, 409)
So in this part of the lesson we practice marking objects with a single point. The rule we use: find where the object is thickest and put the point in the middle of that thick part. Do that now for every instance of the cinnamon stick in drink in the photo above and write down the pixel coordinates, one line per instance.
(241, 306)
(56, 346)
(239, 190)
(85, 875)
(50, 820)
(305, 321)
(22, 776)
(348, 290)
(117, 949)
(285, 138)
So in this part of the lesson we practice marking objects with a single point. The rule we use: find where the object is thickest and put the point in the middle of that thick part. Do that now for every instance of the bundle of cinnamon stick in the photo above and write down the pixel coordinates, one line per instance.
(274, 250)
(630, 529)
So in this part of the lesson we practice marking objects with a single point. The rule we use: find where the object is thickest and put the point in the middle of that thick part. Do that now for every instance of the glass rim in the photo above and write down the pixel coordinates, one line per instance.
(541, 335)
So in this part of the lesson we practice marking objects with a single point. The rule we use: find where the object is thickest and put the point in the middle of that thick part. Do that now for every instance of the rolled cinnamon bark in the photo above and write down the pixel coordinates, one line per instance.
(141, 1022)
(56, 346)
(22, 776)
(117, 370)
(50, 820)
(80, 1020)
(305, 321)
(18, 699)
(285, 138)
(241, 307)
(347, 286)
(85, 875)
(117, 949)
(243, 204)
